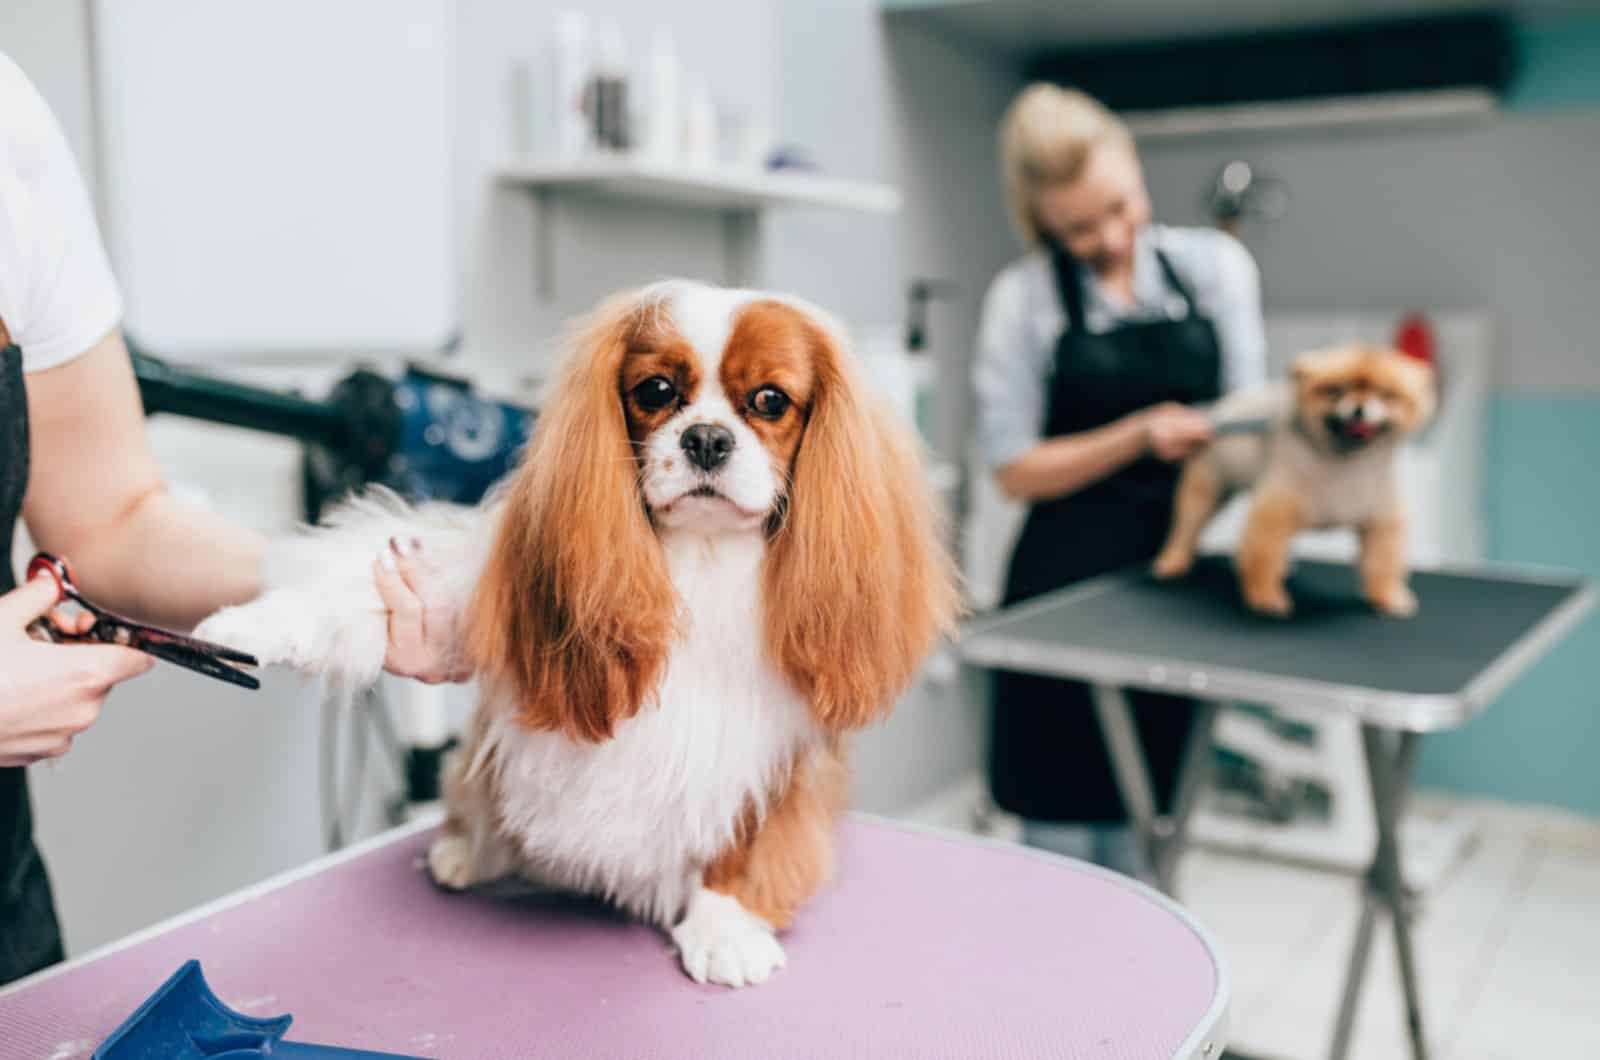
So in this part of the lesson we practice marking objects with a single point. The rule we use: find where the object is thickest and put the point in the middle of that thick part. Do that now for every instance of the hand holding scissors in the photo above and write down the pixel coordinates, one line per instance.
(107, 627)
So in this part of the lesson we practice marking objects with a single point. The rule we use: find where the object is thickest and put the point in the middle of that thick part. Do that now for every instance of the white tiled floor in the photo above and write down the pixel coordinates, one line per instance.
(1508, 948)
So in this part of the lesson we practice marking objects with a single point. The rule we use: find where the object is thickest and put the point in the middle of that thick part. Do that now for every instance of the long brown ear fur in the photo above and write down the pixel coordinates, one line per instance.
(575, 611)
(858, 581)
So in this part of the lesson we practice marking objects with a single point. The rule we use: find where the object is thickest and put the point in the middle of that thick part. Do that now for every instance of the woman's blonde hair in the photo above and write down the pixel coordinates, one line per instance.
(1046, 138)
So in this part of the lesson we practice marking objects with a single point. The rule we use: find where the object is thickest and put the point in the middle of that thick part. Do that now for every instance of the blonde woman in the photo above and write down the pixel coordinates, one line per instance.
(1095, 351)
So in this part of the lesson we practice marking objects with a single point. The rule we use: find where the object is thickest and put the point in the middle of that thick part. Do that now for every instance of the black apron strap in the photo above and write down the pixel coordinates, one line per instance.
(1174, 280)
(1069, 285)
(29, 936)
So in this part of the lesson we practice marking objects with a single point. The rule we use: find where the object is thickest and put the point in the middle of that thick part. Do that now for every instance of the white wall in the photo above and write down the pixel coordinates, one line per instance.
(186, 790)
(1496, 214)
(599, 247)
(48, 39)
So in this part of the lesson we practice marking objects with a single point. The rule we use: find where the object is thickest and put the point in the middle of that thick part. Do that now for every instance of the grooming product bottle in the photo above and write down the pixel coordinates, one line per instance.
(661, 102)
(700, 127)
(924, 369)
(608, 95)
(568, 82)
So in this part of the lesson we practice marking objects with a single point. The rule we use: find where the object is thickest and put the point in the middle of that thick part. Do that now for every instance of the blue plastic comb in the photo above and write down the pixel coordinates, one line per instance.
(184, 1020)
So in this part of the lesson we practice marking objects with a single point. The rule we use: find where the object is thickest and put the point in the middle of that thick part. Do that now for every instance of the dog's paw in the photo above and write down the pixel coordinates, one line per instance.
(1172, 563)
(720, 941)
(321, 636)
(1273, 600)
(450, 862)
(265, 628)
(1396, 601)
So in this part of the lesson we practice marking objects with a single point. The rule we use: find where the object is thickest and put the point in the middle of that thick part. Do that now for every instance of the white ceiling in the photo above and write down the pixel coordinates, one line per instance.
(1017, 28)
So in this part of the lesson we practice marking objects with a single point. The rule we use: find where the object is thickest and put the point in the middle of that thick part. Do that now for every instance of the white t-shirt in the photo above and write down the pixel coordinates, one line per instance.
(57, 295)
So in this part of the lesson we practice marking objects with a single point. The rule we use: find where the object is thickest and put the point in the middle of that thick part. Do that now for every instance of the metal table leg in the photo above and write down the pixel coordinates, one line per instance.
(1389, 763)
(1162, 837)
(1193, 775)
(1390, 759)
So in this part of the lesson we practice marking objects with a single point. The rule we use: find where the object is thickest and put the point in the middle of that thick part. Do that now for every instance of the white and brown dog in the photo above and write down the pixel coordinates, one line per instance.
(718, 557)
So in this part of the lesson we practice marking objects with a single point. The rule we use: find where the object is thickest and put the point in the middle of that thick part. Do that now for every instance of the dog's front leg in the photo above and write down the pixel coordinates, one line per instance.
(1199, 492)
(340, 632)
(728, 934)
(1263, 559)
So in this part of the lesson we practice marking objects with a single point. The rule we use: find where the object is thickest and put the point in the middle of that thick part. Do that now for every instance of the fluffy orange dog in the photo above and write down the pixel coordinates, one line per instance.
(1327, 459)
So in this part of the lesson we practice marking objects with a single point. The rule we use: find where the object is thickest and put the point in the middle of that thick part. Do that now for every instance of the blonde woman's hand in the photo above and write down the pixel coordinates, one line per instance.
(1172, 431)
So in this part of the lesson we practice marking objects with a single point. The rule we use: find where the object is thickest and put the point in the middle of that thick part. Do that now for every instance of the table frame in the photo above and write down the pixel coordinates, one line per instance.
(1206, 1041)
(1392, 725)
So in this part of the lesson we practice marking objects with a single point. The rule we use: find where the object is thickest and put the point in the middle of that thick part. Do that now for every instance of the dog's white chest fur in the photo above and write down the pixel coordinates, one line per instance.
(636, 817)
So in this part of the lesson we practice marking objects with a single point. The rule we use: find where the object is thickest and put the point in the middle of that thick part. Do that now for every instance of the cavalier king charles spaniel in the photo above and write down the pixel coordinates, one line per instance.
(718, 557)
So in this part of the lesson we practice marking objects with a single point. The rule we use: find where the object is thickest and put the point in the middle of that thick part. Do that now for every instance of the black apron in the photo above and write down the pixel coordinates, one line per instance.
(1047, 760)
(29, 936)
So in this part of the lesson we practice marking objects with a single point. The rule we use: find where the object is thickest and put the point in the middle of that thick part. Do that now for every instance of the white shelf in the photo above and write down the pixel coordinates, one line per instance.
(715, 189)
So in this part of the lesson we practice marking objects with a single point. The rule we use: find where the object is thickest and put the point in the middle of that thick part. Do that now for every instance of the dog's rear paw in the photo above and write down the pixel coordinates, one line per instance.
(450, 862)
(720, 941)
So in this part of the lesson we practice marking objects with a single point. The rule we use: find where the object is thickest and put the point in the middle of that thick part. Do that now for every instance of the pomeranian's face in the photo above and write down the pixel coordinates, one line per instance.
(1349, 397)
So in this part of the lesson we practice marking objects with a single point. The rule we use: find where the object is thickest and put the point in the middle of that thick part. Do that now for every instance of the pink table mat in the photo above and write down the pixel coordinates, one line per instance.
(927, 945)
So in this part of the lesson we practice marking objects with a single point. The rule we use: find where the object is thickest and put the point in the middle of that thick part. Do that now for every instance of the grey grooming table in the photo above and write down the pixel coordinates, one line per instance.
(1476, 631)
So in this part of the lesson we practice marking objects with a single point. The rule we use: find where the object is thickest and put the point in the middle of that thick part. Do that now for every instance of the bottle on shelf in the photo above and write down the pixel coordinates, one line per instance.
(608, 91)
(660, 103)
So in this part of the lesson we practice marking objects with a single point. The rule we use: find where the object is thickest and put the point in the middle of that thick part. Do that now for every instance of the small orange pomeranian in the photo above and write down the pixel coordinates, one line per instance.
(1326, 459)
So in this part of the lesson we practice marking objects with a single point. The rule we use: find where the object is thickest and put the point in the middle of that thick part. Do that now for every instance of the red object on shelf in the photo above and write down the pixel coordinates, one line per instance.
(1414, 336)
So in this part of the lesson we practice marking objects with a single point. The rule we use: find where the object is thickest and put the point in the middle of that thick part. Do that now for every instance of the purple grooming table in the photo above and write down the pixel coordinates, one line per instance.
(927, 945)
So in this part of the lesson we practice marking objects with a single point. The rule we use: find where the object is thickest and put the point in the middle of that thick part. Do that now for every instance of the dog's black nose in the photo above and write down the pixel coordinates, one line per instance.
(708, 445)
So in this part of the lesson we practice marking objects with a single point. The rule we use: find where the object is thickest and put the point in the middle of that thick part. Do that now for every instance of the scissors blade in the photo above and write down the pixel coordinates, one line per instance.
(200, 662)
(143, 635)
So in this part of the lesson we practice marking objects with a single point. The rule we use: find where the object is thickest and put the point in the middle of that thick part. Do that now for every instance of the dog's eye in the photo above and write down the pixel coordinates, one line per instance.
(655, 393)
(1330, 391)
(769, 402)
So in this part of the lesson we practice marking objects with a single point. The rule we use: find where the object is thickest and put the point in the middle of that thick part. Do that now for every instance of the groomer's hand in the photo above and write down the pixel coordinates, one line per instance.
(1173, 431)
(51, 692)
(424, 622)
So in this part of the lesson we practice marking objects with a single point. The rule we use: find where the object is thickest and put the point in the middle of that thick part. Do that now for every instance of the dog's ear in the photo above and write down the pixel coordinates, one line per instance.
(1418, 381)
(858, 582)
(575, 612)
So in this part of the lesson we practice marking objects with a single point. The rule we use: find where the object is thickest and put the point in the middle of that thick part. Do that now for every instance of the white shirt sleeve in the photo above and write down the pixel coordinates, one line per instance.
(1010, 373)
(1241, 332)
(57, 294)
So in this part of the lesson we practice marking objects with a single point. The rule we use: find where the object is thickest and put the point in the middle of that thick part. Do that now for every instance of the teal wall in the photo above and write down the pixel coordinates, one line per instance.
(1559, 63)
(1541, 741)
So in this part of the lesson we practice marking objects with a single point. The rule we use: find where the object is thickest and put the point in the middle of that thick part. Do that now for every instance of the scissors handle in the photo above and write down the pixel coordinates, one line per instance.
(60, 573)
(202, 656)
